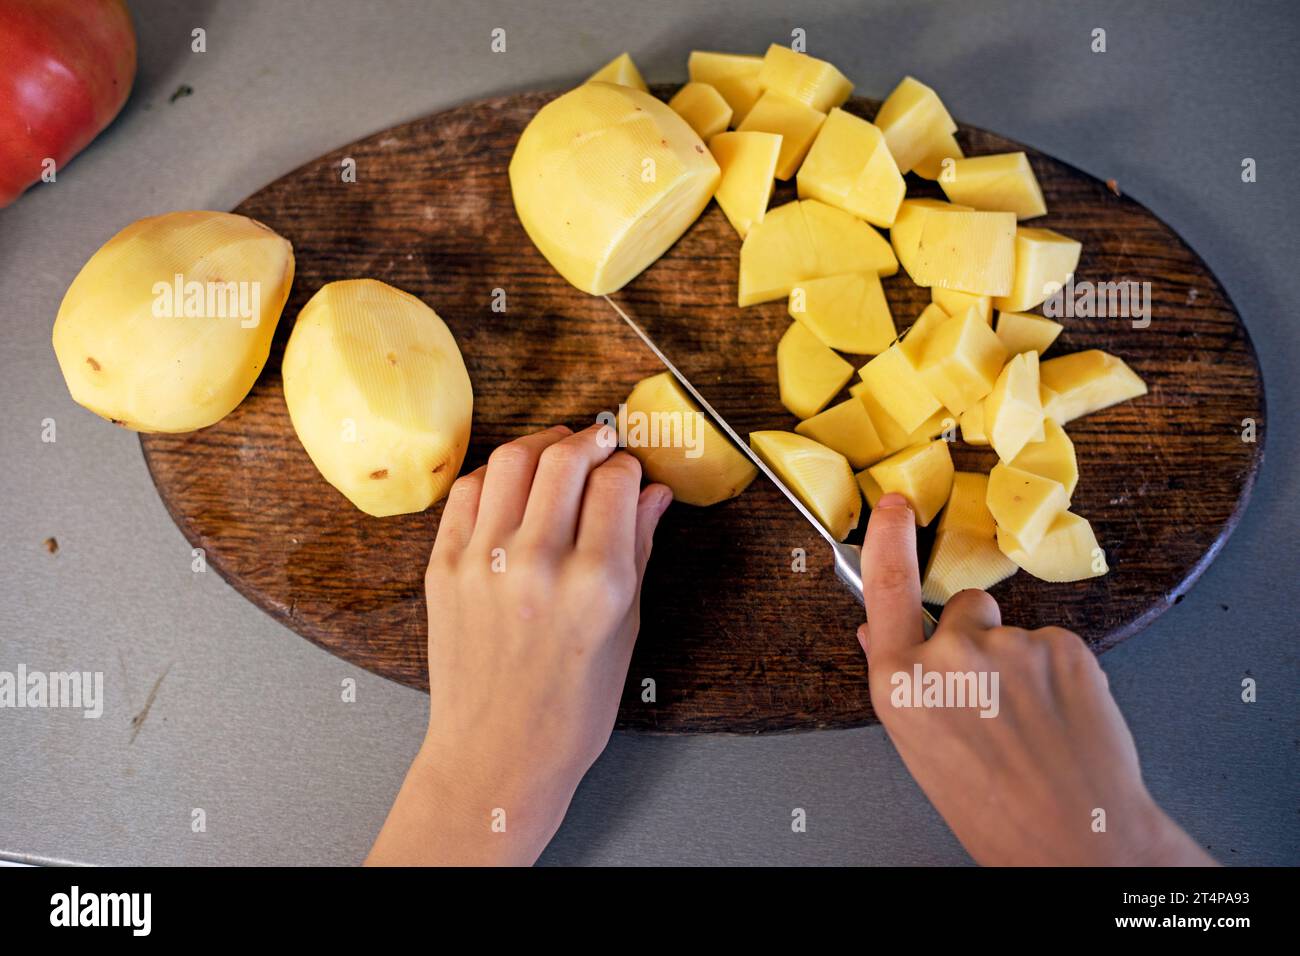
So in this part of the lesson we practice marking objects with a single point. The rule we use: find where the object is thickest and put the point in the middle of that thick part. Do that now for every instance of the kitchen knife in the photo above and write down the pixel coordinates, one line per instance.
(848, 557)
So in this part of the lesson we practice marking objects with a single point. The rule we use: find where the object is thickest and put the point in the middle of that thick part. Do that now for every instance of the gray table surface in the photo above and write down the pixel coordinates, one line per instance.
(248, 723)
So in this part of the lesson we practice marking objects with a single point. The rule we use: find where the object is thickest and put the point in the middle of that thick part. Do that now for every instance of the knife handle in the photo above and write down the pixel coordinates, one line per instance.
(848, 568)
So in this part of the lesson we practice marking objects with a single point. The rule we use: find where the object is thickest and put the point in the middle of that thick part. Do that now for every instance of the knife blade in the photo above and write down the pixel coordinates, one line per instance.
(848, 557)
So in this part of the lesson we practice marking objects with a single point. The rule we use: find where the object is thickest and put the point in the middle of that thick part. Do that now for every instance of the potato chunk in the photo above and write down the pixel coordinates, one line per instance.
(804, 78)
(748, 164)
(999, 182)
(942, 146)
(961, 561)
(167, 326)
(849, 167)
(915, 123)
(962, 360)
(379, 396)
(710, 471)
(621, 71)
(956, 303)
(796, 122)
(1024, 504)
(1053, 457)
(847, 428)
(899, 388)
(805, 240)
(893, 437)
(922, 474)
(1013, 411)
(905, 233)
(819, 476)
(1067, 552)
(733, 75)
(703, 108)
(969, 251)
(809, 373)
(848, 312)
(1084, 382)
(1043, 262)
(1025, 332)
(967, 509)
(605, 178)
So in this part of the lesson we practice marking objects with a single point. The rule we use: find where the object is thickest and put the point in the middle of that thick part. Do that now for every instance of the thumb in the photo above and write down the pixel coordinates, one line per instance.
(651, 505)
(891, 583)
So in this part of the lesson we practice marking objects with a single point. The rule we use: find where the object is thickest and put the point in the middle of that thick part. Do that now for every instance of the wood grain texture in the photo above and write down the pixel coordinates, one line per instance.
(734, 640)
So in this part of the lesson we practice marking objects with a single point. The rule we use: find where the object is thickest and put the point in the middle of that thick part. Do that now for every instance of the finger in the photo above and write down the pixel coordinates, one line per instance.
(551, 516)
(971, 610)
(650, 507)
(509, 477)
(607, 522)
(891, 583)
(459, 514)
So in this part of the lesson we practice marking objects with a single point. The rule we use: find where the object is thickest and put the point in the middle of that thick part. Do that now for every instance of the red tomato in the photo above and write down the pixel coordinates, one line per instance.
(66, 68)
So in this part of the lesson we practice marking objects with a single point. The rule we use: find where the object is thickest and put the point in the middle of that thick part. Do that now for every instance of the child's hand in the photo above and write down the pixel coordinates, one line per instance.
(534, 591)
(1023, 787)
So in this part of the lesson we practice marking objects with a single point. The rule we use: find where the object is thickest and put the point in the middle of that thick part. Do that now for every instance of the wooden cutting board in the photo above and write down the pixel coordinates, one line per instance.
(734, 639)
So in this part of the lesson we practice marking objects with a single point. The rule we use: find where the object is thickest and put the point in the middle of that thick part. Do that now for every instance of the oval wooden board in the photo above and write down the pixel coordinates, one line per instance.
(734, 640)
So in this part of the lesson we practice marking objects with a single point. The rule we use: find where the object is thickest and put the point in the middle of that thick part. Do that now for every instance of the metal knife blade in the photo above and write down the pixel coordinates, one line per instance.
(848, 557)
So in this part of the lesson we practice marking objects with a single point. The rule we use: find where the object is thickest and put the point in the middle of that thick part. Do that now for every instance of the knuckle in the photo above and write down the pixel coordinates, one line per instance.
(624, 463)
(510, 456)
(891, 578)
(563, 454)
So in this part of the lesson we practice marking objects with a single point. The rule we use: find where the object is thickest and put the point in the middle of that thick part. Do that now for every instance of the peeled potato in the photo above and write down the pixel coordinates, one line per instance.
(711, 471)
(820, 476)
(379, 396)
(168, 325)
(620, 70)
(605, 178)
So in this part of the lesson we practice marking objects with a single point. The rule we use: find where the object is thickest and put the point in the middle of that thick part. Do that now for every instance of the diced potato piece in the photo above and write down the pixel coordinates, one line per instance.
(849, 167)
(1024, 504)
(167, 326)
(809, 373)
(1044, 260)
(1013, 411)
(870, 490)
(891, 436)
(967, 509)
(846, 428)
(748, 164)
(734, 75)
(956, 303)
(960, 561)
(621, 71)
(804, 78)
(899, 389)
(819, 476)
(848, 312)
(1000, 182)
(1067, 552)
(703, 108)
(905, 233)
(972, 425)
(796, 122)
(583, 189)
(711, 471)
(962, 360)
(919, 333)
(915, 123)
(379, 396)
(844, 243)
(1025, 332)
(1085, 382)
(1052, 457)
(805, 240)
(943, 146)
(969, 251)
(922, 474)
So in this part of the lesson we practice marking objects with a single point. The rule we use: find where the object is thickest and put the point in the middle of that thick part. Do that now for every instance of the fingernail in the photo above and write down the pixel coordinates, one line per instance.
(663, 498)
(892, 500)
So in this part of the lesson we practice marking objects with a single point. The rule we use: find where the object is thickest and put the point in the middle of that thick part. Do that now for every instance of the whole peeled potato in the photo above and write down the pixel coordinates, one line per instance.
(379, 396)
(168, 325)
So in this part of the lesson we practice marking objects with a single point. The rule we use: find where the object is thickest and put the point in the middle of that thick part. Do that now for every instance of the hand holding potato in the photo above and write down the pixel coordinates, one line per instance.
(534, 605)
(1023, 787)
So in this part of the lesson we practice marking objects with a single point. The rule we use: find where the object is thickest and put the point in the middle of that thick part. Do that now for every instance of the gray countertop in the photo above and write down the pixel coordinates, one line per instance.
(248, 723)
